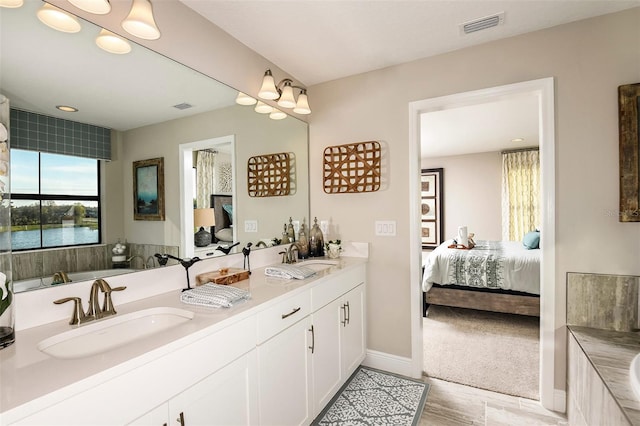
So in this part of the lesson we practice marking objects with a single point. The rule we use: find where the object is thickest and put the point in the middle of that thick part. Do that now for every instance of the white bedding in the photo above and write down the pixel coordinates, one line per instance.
(505, 265)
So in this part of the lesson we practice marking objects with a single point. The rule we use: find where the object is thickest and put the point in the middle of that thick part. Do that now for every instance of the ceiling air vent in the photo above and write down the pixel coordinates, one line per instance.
(482, 23)
(183, 105)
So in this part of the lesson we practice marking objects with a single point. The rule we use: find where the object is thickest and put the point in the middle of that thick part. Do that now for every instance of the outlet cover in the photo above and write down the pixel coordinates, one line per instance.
(250, 226)
(386, 228)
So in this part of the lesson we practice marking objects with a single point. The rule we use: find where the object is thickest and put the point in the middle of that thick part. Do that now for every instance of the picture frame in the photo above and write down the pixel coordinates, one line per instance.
(148, 189)
(432, 207)
(629, 134)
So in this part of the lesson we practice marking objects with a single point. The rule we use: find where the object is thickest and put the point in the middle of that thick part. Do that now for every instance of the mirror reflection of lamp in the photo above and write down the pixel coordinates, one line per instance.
(203, 218)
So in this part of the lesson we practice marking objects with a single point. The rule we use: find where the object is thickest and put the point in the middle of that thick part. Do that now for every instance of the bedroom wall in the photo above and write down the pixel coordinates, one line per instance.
(589, 59)
(472, 193)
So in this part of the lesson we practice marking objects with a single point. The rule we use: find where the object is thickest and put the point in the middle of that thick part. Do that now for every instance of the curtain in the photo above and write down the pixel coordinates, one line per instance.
(205, 166)
(520, 193)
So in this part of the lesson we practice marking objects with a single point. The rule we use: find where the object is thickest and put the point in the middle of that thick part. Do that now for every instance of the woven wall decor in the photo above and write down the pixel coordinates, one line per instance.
(353, 167)
(269, 175)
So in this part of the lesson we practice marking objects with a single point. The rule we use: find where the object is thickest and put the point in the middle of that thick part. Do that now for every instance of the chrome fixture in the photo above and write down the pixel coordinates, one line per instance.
(60, 277)
(94, 311)
(283, 93)
(139, 22)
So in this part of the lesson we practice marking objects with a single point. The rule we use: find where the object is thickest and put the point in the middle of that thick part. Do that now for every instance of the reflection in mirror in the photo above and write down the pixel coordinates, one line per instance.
(121, 93)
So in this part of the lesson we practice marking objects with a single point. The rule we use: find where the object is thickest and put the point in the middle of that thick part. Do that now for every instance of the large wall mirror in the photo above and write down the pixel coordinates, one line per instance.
(142, 97)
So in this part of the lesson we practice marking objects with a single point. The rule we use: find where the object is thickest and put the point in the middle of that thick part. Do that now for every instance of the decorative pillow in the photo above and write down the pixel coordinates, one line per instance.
(225, 234)
(229, 209)
(531, 240)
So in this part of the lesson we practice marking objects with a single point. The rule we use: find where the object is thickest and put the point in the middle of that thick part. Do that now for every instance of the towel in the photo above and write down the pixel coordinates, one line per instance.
(214, 295)
(288, 272)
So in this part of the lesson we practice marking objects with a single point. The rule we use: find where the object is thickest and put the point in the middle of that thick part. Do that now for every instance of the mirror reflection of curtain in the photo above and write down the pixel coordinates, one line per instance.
(205, 166)
(520, 193)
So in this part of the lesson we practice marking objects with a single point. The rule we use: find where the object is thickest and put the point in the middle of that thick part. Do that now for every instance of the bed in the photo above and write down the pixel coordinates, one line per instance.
(499, 276)
(223, 212)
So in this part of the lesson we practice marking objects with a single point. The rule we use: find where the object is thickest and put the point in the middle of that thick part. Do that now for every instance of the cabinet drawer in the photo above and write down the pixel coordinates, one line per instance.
(326, 292)
(282, 315)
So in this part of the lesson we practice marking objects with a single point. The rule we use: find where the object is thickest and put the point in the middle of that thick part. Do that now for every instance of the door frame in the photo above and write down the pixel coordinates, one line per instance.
(550, 398)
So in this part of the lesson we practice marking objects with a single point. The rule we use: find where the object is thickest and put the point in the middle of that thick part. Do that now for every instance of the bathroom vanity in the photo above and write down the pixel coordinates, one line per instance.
(277, 358)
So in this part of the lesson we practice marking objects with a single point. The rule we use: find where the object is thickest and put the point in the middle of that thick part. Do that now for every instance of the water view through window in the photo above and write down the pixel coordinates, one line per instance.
(55, 200)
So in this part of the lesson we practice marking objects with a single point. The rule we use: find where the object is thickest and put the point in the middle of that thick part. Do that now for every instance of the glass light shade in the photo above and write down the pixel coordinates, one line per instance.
(112, 43)
(263, 108)
(276, 114)
(11, 4)
(244, 99)
(58, 19)
(139, 22)
(99, 7)
(287, 100)
(302, 106)
(268, 89)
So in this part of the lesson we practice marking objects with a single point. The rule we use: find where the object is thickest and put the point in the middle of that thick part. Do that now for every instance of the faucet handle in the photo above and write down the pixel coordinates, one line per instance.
(77, 316)
(107, 305)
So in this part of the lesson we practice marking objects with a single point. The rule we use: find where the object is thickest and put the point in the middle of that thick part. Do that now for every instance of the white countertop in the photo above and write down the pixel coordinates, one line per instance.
(30, 376)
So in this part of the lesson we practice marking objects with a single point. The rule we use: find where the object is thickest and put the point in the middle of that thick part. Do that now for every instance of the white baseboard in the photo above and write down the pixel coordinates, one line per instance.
(559, 401)
(387, 362)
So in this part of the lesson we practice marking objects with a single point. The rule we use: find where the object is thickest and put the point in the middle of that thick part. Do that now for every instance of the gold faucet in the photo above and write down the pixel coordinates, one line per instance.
(95, 311)
(60, 277)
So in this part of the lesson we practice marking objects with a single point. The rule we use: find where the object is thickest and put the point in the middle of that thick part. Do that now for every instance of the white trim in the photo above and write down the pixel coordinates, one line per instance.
(559, 401)
(544, 88)
(387, 362)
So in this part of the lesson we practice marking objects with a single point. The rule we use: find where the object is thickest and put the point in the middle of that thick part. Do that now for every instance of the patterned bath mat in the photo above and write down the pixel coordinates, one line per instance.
(373, 397)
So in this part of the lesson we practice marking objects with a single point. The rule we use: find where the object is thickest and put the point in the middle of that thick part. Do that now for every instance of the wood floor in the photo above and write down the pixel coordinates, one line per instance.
(454, 404)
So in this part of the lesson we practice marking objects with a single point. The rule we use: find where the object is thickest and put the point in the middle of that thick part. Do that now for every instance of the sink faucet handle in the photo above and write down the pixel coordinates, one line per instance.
(107, 305)
(77, 316)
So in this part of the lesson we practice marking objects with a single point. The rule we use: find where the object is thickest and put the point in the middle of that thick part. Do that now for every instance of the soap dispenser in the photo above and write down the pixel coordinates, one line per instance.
(285, 236)
(291, 233)
(316, 240)
(303, 243)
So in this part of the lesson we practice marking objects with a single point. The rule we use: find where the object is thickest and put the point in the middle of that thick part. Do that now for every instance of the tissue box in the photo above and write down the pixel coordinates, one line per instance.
(222, 276)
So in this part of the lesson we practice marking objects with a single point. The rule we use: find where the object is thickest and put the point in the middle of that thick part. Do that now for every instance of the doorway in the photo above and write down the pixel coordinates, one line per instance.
(544, 91)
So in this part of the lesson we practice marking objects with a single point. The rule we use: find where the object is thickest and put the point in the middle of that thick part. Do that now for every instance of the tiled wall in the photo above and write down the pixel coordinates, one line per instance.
(42, 263)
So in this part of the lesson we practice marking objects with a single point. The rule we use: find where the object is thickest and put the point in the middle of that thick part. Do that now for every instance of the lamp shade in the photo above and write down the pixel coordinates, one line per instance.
(58, 19)
(139, 22)
(244, 99)
(287, 100)
(11, 3)
(99, 7)
(302, 106)
(263, 108)
(112, 43)
(268, 89)
(203, 217)
(276, 114)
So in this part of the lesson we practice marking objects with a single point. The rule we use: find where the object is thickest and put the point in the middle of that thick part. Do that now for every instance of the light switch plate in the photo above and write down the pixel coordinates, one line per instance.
(386, 228)
(250, 226)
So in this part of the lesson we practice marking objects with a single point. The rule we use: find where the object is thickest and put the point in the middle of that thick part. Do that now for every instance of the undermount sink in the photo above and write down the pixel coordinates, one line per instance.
(107, 334)
(318, 264)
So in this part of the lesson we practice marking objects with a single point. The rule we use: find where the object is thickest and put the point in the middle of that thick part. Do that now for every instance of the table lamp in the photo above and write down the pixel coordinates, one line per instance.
(202, 218)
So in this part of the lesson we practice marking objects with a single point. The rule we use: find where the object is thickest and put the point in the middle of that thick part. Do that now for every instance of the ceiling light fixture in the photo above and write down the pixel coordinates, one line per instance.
(11, 4)
(112, 43)
(283, 93)
(67, 108)
(276, 114)
(263, 108)
(244, 99)
(98, 7)
(139, 22)
(58, 19)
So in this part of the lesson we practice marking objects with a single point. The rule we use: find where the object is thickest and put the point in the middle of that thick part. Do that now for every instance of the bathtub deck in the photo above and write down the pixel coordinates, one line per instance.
(611, 353)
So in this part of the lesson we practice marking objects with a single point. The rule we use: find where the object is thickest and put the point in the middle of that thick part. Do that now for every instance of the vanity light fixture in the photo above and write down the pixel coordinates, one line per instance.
(139, 22)
(244, 99)
(98, 7)
(283, 93)
(67, 108)
(11, 4)
(112, 43)
(58, 19)
(263, 108)
(276, 114)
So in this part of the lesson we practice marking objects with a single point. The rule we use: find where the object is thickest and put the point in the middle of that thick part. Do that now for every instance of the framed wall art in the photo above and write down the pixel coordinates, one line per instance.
(148, 189)
(629, 133)
(431, 192)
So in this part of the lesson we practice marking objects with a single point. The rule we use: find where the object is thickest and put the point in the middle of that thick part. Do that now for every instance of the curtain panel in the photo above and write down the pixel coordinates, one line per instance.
(520, 193)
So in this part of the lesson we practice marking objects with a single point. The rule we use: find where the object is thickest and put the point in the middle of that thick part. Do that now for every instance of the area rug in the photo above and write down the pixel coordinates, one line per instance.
(487, 350)
(373, 397)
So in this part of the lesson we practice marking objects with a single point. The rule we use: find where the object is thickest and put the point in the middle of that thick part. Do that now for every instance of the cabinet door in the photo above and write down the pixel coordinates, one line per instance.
(227, 397)
(327, 372)
(156, 417)
(284, 373)
(353, 333)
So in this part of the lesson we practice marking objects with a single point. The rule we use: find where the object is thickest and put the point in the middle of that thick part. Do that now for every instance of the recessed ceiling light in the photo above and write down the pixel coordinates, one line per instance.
(58, 19)
(517, 140)
(67, 108)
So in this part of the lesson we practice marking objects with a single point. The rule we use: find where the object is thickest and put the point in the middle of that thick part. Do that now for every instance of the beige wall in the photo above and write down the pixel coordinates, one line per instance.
(588, 60)
(472, 193)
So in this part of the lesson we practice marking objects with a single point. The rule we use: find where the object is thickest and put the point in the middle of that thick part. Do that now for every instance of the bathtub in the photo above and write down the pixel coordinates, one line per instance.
(33, 283)
(634, 376)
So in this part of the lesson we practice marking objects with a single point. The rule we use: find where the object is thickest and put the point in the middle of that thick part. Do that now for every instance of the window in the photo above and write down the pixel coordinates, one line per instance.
(55, 200)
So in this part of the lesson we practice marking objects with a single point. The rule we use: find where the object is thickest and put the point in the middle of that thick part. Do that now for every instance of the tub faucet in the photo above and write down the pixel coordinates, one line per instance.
(138, 257)
(60, 277)
(153, 262)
